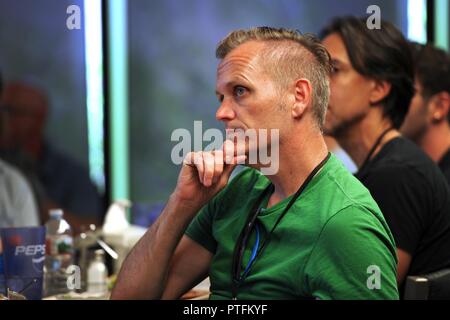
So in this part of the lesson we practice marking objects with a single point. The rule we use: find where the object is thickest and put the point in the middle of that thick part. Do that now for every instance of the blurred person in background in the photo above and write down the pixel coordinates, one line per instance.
(17, 203)
(58, 180)
(428, 120)
(371, 89)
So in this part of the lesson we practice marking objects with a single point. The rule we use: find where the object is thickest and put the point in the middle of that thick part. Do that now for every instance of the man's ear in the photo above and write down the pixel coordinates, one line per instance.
(380, 90)
(439, 106)
(303, 97)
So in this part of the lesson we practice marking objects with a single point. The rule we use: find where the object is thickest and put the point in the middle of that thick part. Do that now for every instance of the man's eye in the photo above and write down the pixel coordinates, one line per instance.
(239, 91)
(334, 69)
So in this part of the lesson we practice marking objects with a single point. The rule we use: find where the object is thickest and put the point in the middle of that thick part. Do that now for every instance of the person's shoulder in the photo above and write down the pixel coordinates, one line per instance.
(407, 181)
(338, 195)
(402, 162)
(351, 241)
(353, 213)
(17, 196)
(357, 222)
(341, 189)
(12, 179)
(402, 155)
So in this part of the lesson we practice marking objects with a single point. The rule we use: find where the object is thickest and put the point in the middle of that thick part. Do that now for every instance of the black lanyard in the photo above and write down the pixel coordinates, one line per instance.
(372, 150)
(237, 277)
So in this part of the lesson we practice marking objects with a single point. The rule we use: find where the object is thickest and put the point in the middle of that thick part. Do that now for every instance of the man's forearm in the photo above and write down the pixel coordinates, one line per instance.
(143, 273)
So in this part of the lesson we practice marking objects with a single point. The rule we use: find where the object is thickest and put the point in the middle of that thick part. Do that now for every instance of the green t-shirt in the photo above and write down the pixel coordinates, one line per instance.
(333, 243)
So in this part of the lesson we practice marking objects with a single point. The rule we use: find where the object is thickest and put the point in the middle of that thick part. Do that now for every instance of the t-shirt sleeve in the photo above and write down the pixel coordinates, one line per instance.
(401, 194)
(353, 258)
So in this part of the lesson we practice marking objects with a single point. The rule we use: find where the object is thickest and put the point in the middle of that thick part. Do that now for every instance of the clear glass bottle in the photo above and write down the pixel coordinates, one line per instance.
(97, 274)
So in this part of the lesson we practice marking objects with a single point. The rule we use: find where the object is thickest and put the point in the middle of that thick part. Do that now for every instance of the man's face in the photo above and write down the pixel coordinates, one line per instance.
(350, 91)
(249, 98)
(418, 118)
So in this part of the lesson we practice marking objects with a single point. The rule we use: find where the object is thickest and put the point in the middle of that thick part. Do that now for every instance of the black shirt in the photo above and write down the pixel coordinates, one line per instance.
(444, 164)
(414, 197)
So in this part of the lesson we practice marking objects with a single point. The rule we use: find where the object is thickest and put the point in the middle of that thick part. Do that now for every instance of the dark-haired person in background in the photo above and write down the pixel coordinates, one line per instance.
(428, 120)
(371, 88)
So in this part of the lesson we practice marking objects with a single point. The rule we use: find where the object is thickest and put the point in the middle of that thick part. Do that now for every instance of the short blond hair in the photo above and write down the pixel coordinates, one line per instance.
(293, 55)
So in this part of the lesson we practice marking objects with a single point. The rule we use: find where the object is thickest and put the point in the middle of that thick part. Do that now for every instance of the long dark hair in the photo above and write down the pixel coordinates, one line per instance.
(381, 54)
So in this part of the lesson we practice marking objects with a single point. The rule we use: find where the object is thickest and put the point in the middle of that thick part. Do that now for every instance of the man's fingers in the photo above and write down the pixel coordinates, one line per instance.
(218, 165)
(228, 151)
(189, 159)
(211, 166)
(195, 160)
(208, 162)
(198, 161)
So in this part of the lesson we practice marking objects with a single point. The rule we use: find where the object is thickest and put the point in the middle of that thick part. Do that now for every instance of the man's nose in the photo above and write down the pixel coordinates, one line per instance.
(225, 112)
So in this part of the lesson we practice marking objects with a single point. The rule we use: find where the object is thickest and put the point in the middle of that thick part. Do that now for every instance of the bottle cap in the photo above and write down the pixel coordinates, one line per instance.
(56, 213)
(99, 254)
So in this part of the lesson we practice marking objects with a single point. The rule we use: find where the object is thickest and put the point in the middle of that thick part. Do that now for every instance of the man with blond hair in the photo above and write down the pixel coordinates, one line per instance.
(310, 230)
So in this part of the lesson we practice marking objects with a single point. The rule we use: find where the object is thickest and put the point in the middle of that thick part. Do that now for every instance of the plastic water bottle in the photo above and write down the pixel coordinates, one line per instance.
(97, 274)
(59, 253)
